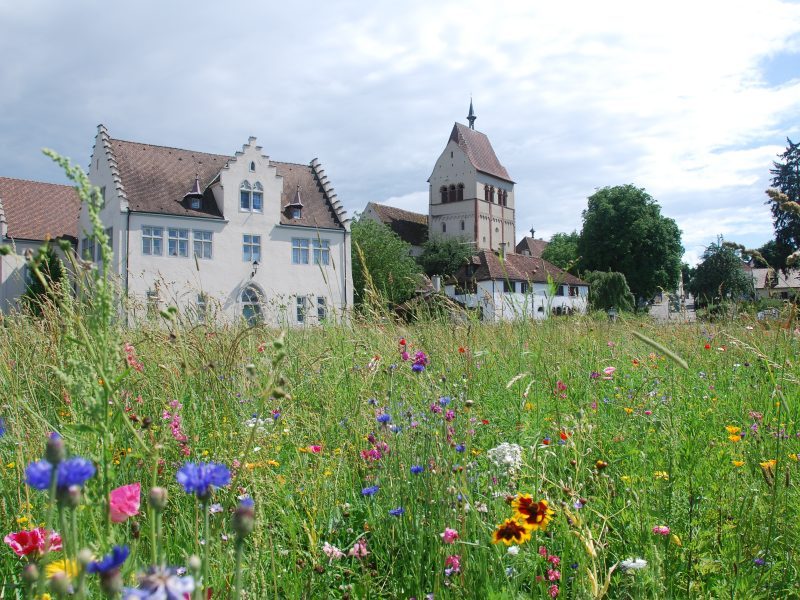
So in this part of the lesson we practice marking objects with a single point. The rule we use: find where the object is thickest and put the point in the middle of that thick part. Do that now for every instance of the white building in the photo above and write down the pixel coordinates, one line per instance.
(30, 213)
(238, 236)
(772, 283)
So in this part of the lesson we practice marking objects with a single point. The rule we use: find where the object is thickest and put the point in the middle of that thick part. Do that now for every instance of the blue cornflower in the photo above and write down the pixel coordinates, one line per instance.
(397, 512)
(162, 584)
(370, 491)
(396, 428)
(444, 400)
(759, 562)
(418, 367)
(2, 426)
(460, 447)
(246, 502)
(384, 418)
(109, 562)
(417, 469)
(73, 471)
(201, 477)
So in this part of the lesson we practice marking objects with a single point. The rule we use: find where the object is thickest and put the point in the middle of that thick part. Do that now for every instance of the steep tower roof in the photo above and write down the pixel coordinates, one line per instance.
(479, 151)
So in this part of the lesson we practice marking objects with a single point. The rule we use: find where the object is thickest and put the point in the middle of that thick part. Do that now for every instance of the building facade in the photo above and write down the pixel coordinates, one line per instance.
(221, 236)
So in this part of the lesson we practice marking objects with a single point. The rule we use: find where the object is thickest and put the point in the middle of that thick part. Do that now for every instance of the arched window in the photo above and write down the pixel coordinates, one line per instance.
(460, 192)
(486, 193)
(252, 167)
(491, 194)
(250, 300)
(245, 196)
(258, 197)
(452, 193)
(443, 192)
(444, 227)
(462, 225)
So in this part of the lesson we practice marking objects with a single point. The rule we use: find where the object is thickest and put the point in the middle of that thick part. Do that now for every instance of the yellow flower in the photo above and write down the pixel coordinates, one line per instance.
(528, 406)
(661, 475)
(44, 596)
(273, 463)
(11, 465)
(735, 438)
(733, 429)
(628, 410)
(676, 540)
(510, 532)
(769, 464)
(532, 515)
(22, 520)
(626, 478)
(66, 566)
(738, 463)
(794, 457)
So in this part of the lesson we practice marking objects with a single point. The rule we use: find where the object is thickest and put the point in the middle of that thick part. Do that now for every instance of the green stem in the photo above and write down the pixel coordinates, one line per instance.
(206, 546)
(237, 574)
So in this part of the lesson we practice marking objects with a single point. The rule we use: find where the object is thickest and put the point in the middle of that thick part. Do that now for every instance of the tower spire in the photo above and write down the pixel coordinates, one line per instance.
(471, 116)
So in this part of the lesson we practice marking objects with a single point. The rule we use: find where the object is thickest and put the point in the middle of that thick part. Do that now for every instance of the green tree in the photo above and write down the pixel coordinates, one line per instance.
(624, 231)
(444, 256)
(608, 289)
(721, 276)
(687, 274)
(381, 263)
(46, 276)
(770, 253)
(785, 209)
(562, 251)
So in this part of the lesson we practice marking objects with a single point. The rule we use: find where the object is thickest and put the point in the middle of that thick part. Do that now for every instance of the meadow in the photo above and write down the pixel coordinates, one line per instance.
(569, 458)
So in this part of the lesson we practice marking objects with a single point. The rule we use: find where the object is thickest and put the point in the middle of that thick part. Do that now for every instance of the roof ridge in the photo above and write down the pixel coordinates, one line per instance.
(329, 193)
(34, 181)
(228, 156)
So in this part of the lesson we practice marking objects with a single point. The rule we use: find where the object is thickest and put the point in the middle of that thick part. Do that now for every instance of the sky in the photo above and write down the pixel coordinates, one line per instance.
(690, 100)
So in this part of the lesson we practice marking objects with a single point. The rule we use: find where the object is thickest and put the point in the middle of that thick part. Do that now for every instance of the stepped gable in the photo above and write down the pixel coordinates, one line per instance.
(515, 267)
(529, 246)
(156, 178)
(32, 210)
(319, 205)
(479, 151)
(410, 226)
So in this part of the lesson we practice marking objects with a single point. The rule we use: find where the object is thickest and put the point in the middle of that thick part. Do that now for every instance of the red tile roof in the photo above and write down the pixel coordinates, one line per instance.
(479, 151)
(410, 226)
(532, 246)
(156, 179)
(34, 210)
(487, 266)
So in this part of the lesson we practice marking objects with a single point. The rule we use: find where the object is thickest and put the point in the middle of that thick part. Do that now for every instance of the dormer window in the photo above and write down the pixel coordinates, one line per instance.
(297, 212)
(252, 166)
(195, 203)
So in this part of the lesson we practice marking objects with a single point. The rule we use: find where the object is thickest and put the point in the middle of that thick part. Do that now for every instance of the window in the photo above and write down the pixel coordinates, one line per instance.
(296, 212)
(452, 193)
(462, 225)
(178, 242)
(251, 248)
(152, 303)
(486, 193)
(245, 197)
(251, 305)
(460, 192)
(252, 166)
(300, 251)
(201, 307)
(110, 236)
(508, 287)
(322, 308)
(103, 197)
(523, 287)
(573, 290)
(87, 249)
(301, 309)
(322, 252)
(444, 227)
(443, 192)
(195, 203)
(152, 240)
(27, 276)
(258, 197)
(202, 244)
(560, 290)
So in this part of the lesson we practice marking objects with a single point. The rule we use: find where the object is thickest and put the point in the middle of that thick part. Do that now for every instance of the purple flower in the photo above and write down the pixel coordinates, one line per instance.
(73, 471)
(200, 478)
(370, 491)
(109, 562)
(397, 512)
(417, 469)
(759, 562)
(2, 427)
(420, 362)
(444, 400)
(384, 418)
(460, 447)
(161, 584)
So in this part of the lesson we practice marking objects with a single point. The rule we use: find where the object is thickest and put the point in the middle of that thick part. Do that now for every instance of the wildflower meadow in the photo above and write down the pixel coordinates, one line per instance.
(570, 458)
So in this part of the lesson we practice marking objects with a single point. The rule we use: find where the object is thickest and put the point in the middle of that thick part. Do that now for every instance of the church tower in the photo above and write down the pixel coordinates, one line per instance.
(471, 195)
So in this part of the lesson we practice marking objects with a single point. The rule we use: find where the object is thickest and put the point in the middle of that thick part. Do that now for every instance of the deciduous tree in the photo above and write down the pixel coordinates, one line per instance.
(562, 251)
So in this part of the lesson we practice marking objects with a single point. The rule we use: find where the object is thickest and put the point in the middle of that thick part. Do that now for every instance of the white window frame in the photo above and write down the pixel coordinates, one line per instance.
(245, 197)
(300, 309)
(322, 251)
(322, 308)
(300, 251)
(251, 248)
(204, 242)
(176, 235)
(257, 195)
(151, 235)
(201, 307)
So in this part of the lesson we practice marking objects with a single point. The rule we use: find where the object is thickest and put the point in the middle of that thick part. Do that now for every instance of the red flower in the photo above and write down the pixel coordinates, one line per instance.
(402, 341)
(707, 346)
(26, 542)
(563, 435)
(462, 350)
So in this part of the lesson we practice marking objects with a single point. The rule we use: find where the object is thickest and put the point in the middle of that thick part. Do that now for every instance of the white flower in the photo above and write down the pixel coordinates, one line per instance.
(506, 456)
(633, 564)
(513, 550)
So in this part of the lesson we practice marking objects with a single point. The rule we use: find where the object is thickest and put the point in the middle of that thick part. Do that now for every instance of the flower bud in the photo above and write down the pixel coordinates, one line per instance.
(59, 584)
(70, 497)
(158, 498)
(85, 557)
(111, 583)
(194, 563)
(55, 452)
(30, 573)
(244, 518)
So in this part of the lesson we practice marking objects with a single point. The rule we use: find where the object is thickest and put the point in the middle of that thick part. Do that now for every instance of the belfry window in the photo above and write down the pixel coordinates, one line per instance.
(460, 192)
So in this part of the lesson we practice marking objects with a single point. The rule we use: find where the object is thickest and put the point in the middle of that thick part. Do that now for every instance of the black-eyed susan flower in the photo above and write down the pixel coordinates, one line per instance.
(510, 532)
(532, 515)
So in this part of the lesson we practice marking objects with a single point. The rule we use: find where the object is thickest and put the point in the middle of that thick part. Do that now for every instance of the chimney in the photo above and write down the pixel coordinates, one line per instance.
(436, 280)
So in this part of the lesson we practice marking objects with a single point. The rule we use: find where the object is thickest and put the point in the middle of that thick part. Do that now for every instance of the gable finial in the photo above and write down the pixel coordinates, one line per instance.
(471, 116)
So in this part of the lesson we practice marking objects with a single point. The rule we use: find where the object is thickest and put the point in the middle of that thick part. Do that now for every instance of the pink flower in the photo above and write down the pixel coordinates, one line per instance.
(542, 551)
(359, 549)
(553, 590)
(553, 574)
(661, 530)
(332, 552)
(452, 564)
(554, 560)
(404, 355)
(32, 541)
(315, 449)
(124, 502)
(609, 371)
(449, 536)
